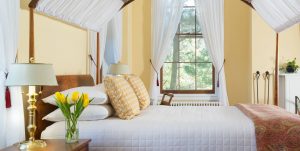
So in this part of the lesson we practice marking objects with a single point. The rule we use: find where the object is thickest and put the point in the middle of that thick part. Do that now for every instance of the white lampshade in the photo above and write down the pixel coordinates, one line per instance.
(31, 74)
(118, 69)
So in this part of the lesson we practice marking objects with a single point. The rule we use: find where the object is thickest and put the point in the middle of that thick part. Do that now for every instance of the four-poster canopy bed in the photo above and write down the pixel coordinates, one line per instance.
(154, 128)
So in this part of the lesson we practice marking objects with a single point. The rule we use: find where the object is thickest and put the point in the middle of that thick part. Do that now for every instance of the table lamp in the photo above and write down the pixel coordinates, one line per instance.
(119, 69)
(31, 74)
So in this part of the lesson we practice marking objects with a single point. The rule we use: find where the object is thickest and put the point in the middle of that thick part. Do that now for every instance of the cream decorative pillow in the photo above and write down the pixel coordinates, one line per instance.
(140, 90)
(122, 97)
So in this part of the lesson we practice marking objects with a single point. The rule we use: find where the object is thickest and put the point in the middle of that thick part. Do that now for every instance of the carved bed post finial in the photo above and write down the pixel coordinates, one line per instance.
(32, 60)
(33, 4)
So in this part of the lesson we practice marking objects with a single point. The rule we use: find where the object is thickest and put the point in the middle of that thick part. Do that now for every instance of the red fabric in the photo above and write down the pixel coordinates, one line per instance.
(275, 128)
(7, 98)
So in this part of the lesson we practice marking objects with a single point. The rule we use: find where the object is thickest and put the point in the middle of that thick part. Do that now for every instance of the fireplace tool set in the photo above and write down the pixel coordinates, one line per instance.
(256, 93)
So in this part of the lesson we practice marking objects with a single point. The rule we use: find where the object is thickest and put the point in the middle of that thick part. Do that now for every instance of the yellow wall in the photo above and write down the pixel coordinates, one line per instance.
(264, 46)
(137, 38)
(238, 51)
(63, 45)
(289, 44)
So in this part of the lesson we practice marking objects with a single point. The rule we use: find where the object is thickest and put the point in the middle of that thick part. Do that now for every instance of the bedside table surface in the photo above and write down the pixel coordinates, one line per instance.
(58, 145)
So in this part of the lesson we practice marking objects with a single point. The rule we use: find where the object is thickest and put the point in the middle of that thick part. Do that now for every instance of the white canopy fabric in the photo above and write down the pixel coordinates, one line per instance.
(113, 46)
(88, 14)
(110, 45)
(11, 119)
(93, 50)
(279, 14)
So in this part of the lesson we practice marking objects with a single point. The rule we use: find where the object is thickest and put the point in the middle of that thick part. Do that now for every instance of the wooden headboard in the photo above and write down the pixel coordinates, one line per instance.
(64, 82)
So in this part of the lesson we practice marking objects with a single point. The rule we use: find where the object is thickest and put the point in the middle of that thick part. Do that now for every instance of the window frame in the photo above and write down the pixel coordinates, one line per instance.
(212, 91)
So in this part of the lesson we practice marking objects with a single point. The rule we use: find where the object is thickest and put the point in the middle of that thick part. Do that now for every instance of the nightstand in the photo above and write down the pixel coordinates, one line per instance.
(58, 145)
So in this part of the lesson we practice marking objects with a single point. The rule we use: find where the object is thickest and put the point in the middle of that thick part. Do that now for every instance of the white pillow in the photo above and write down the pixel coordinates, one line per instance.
(96, 92)
(100, 87)
(91, 113)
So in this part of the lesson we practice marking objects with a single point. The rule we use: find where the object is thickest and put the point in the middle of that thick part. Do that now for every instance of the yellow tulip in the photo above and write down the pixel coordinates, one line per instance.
(63, 98)
(86, 100)
(69, 100)
(75, 96)
(60, 97)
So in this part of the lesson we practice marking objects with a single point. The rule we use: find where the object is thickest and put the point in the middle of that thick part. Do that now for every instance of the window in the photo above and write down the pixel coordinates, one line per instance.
(188, 68)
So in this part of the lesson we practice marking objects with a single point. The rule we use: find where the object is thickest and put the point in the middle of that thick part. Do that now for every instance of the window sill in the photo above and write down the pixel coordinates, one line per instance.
(193, 97)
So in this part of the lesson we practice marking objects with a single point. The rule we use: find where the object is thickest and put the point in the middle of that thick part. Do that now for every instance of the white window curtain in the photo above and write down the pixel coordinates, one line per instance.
(166, 15)
(12, 128)
(110, 45)
(210, 14)
(279, 14)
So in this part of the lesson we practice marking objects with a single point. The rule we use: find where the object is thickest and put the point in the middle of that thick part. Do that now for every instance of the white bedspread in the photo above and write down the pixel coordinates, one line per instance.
(163, 128)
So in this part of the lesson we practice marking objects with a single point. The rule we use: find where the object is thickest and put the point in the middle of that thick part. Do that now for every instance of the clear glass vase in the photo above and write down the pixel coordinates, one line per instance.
(72, 132)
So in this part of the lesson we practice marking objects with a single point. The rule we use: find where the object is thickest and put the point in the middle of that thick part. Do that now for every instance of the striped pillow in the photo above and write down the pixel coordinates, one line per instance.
(140, 90)
(122, 97)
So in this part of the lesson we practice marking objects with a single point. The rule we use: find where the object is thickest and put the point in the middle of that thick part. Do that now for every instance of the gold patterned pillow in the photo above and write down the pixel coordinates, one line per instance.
(122, 97)
(140, 90)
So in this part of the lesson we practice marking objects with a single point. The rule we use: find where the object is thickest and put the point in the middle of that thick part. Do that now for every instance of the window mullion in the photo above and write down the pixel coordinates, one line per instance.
(195, 52)
(178, 64)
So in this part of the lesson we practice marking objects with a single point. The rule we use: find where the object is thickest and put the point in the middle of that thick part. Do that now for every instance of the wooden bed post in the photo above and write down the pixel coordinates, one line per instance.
(31, 34)
(32, 5)
(98, 60)
(276, 72)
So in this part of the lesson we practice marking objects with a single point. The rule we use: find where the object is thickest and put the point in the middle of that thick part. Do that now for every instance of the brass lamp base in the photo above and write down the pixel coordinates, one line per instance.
(32, 144)
(28, 145)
